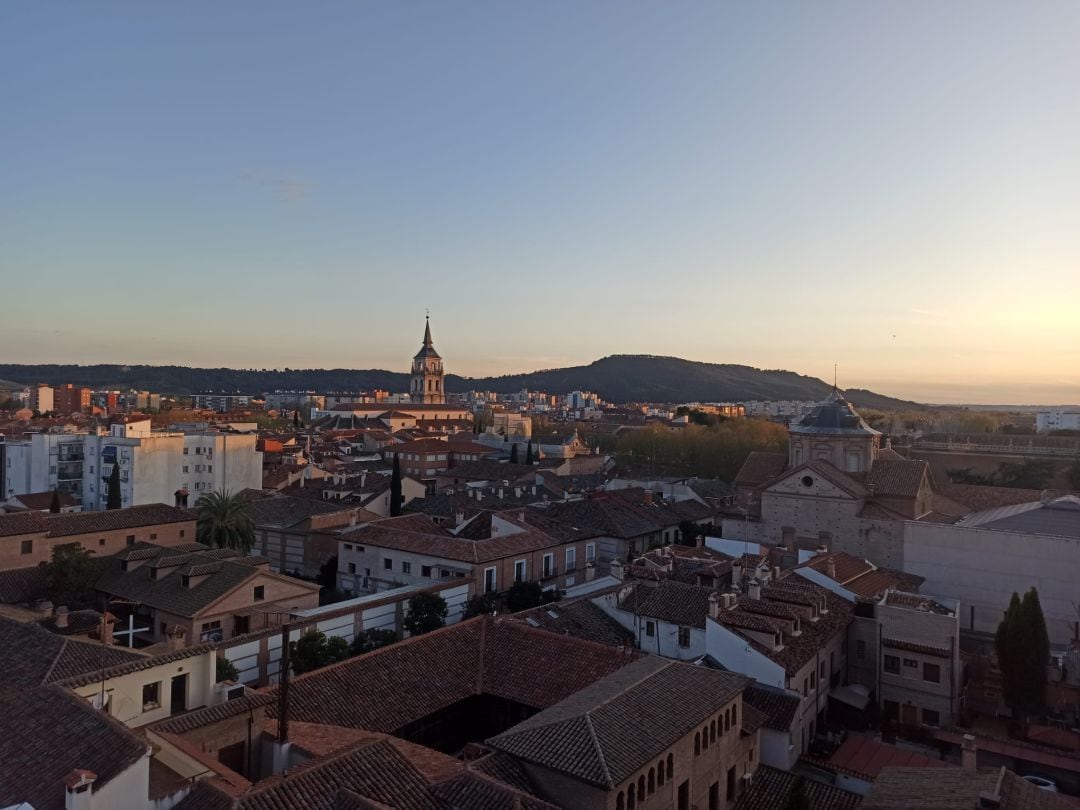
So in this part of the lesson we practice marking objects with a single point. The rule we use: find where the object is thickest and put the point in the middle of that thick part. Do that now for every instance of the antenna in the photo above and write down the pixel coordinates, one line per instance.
(834, 377)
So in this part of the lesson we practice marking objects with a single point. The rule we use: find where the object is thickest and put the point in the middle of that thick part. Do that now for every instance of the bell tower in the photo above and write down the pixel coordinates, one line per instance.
(427, 373)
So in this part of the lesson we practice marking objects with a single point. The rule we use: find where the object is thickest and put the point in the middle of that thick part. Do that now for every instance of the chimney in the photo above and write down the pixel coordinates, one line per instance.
(968, 753)
(79, 790)
(754, 589)
(776, 573)
(459, 517)
(60, 617)
(830, 568)
(175, 641)
(714, 605)
(699, 541)
(648, 498)
(108, 624)
(736, 574)
(617, 570)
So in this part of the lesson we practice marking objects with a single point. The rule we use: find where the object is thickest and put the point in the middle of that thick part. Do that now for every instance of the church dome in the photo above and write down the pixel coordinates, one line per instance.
(835, 416)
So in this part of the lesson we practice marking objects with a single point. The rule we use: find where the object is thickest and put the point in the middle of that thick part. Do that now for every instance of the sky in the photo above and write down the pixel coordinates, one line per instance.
(890, 187)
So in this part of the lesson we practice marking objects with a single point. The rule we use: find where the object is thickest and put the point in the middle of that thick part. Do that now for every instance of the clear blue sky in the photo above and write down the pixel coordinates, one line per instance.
(894, 187)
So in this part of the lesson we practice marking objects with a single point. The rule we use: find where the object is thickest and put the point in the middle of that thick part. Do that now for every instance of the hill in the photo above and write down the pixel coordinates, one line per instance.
(619, 378)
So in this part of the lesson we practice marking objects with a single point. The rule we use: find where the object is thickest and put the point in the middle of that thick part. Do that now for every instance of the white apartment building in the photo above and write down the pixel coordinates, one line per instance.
(42, 462)
(1045, 421)
(155, 466)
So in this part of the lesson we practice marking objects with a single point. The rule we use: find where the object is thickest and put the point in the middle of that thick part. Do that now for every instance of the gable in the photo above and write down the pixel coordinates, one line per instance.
(816, 480)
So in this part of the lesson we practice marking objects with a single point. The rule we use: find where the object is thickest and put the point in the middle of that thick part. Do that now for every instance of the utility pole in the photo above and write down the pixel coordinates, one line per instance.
(283, 687)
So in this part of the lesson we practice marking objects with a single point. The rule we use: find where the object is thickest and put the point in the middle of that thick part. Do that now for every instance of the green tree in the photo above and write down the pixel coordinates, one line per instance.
(112, 498)
(368, 640)
(296, 418)
(427, 612)
(314, 650)
(797, 799)
(328, 573)
(479, 605)
(54, 504)
(1023, 650)
(524, 595)
(514, 453)
(1033, 473)
(1073, 475)
(395, 488)
(529, 453)
(226, 670)
(224, 521)
(70, 576)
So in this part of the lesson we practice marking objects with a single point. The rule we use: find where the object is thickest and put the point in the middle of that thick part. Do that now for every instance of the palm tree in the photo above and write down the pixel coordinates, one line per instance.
(224, 521)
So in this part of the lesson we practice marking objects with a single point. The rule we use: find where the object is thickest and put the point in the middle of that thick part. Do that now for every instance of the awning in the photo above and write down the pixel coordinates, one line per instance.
(855, 695)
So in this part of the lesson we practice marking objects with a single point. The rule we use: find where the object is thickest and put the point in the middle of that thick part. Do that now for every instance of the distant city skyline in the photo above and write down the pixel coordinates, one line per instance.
(889, 187)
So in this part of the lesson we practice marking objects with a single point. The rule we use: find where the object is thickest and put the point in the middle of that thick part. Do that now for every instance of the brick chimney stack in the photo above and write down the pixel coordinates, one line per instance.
(79, 789)
(60, 617)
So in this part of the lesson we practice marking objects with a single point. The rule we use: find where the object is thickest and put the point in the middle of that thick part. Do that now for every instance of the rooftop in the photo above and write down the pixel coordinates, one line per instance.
(68, 524)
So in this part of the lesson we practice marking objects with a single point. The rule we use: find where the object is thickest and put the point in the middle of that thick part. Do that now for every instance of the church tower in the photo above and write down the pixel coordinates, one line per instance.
(427, 373)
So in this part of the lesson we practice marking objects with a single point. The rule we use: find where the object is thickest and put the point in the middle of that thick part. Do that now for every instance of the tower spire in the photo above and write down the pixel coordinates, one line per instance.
(427, 330)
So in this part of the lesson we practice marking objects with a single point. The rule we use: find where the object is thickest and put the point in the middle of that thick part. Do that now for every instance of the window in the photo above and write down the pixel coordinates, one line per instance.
(571, 559)
(182, 532)
(705, 738)
(860, 649)
(549, 564)
(185, 451)
(911, 663)
(930, 717)
(641, 786)
(731, 783)
(210, 631)
(406, 567)
(670, 766)
(813, 680)
(727, 719)
(388, 564)
(352, 568)
(712, 732)
(714, 796)
(931, 673)
(489, 580)
(892, 664)
(185, 469)
(652, 780)
(684, 637)
(697, 743)
(130, 539)
(660, 772)
(519, 571)
(260, 593)
(750, 756)
(153, 536)
(348, 546)
(151, 696)
(590, 552)
(650, 628)
(241, 625)
(425, 570)
(209, 468)
(805, 687)
(101, 541)
(27, 547)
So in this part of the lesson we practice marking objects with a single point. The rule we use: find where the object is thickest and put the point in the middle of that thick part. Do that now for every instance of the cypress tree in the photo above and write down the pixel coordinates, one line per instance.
(112, 498)
(54, 506)
(296, 418)
(528, 453)
(1023, 649)
(513, 453)
(395, 488)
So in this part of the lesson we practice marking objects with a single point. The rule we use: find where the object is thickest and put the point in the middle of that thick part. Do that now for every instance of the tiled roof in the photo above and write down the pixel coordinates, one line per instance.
(899, 479)
(867, 756)
(594, 735)
(625, 513)
(485, 470)
(916, 647)
(760, 467)
(32, 656)
(41, 501)
(477, 791)
(670, 601)
(168, 592)
(22, 584)
(45, 733)
(771, 790)
(392, 687)
(67, 524)
(212, 714)
(977, 498)
(579, 618)
(929, 788)
(284, 511)
(778, 707)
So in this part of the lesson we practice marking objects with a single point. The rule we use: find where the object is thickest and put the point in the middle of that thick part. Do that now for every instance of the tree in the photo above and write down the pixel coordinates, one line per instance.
(797, 799)
(112, 498)
(395, 488)
(70, 576)
(427, 612)
(513, 453)
(1034, 473)
(368, 640)
(529, 454)
(479, 605)
(524, 595)
(54, 505)
(224, 521)
(226, 670)
(328, 573)
(314, 650)
(1073, 475)
(296, 418)
(1023, 650)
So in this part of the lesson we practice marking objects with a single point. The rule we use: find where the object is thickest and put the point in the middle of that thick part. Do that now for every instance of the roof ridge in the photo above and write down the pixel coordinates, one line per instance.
(599, 749)
(56, 659)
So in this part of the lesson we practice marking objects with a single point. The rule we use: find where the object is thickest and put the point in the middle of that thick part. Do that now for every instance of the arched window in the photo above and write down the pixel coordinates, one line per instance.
(734, 717)
(720, 725)
(631, 798)
(660, 772)
(620, 803)
(670, 766)
(727, 719)
(712, 731)
(697, 743)
(705, 738)
(641, 786)
(652, 780)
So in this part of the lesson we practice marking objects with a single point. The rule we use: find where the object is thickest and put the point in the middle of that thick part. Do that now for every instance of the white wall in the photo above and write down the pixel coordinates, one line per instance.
(818, 578)
(128, 790)
(738, 656)
(983, 567)
(733, 548)
(777, 750)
